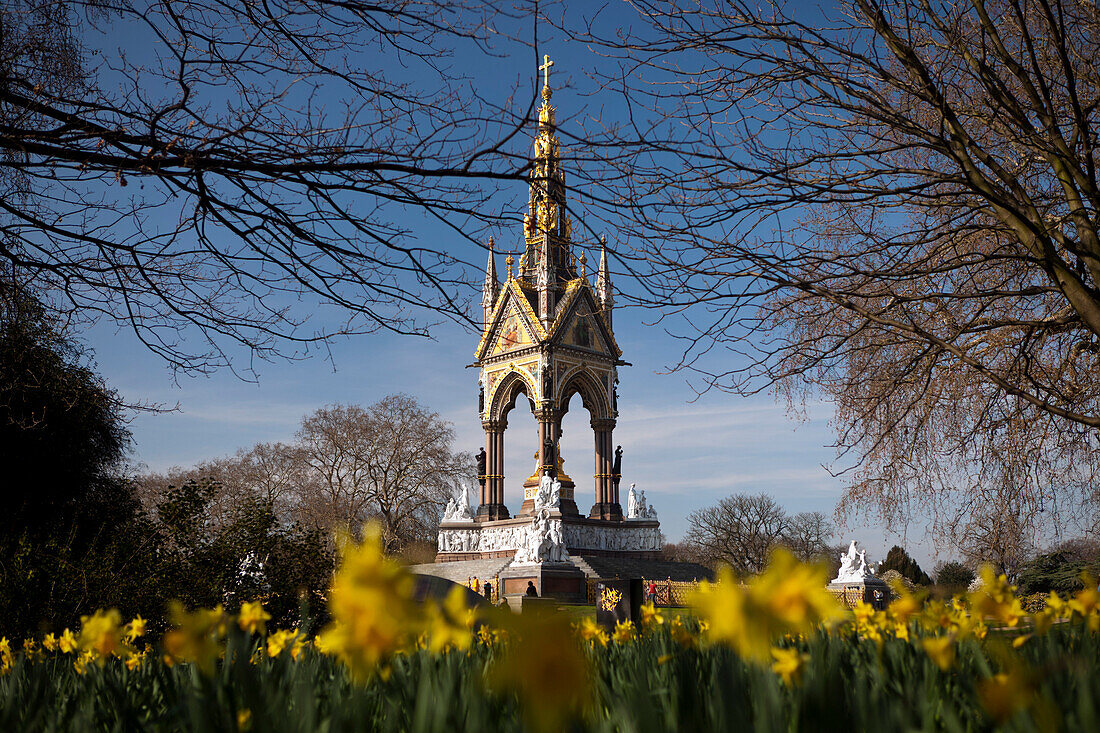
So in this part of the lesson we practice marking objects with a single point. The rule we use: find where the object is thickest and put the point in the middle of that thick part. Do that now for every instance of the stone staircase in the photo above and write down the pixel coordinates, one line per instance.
(595, 566)
(583, 566)
(460, 570)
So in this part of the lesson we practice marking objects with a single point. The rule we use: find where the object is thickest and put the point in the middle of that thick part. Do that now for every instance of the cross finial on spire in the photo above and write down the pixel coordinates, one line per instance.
(546, 64)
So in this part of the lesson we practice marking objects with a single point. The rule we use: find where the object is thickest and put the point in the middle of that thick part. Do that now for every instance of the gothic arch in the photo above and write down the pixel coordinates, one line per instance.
(510, 386)
(593, 394)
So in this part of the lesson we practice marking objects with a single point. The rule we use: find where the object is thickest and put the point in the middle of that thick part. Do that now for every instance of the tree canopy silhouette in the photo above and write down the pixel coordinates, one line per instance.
(245, 172)
(893, 205)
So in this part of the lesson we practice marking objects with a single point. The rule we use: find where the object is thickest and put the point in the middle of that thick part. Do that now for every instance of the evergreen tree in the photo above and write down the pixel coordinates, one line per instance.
(898, 559)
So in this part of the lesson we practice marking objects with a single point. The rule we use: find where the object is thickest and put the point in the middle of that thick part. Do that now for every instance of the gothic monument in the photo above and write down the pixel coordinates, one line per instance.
(548, 336)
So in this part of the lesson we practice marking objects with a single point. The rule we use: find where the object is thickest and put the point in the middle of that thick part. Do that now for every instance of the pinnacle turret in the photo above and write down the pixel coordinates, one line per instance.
(491, 289)
(603, 283)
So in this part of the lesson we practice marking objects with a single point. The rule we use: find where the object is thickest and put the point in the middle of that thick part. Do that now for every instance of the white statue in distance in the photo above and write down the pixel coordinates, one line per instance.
(549, 494)
(853, 566)
(543, 541)
(458, 506)
(637, 507)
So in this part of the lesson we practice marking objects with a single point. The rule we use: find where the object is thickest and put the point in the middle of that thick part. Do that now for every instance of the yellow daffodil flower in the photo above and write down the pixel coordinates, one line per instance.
(592, 632)
(281, 640)
(195, 636)
(253, 618)
(789, 597)
(941, 650)
(788, 664)
(101, 633)
(651, 616)
(371, 602)
(624, 632)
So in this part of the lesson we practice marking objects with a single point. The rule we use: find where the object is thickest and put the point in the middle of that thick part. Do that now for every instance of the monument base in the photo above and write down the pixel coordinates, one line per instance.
(476, 539)
(871, 590)
(561, 581)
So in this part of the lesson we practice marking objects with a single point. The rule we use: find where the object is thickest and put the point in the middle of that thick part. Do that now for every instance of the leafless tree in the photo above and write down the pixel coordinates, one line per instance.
(272, 472)
(390, 462)
(741, 531)
(891, 204)
(213, 175)
(998, 534)
(808, 535)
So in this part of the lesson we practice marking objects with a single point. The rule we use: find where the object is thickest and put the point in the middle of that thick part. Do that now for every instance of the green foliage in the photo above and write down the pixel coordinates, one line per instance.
(251, 556)
(75, 538)
(1055, 571)
(651, 684)
(62, 437)
(954, 577)
(898, 559)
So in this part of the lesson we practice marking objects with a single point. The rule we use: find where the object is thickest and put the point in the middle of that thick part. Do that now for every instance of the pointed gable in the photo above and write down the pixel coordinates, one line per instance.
(512, 325)
(580, 325)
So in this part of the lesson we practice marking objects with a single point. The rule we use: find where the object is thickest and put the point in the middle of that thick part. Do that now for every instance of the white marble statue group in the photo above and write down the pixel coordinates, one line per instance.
(544, 541)
(853, 566)
(545, 538)
(458, 507)
(636, 506)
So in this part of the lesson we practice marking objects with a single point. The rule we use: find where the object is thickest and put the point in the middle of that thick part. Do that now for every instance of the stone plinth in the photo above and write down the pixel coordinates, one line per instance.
(870, 590)
(562, 581)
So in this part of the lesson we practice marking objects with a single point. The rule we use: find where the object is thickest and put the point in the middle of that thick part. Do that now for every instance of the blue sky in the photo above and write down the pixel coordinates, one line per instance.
(686, 452)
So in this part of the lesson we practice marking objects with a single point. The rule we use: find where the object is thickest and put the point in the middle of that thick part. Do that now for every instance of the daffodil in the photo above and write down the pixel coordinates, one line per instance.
(253, 618)
(101, 633)
(485, 634)
(592, 632)
(624, 632)
(788, 664)
(196, 635)
(67, 643)
(7, 660)
(371, 603)
(86, 657)
(49, 642)
(650, 616)
(1086, 603)
(281, 640)
(135, 629)
(679, 632)
(452, 624)
(789, 597)
(941, 650)
(996, 599)
(134, 660)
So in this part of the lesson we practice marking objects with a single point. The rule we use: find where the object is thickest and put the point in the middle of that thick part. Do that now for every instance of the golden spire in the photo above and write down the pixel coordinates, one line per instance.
(509, 262)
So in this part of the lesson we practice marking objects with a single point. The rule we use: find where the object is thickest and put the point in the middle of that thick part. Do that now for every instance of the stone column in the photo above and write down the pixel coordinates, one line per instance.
(607, 502)
(492, 499)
